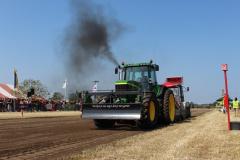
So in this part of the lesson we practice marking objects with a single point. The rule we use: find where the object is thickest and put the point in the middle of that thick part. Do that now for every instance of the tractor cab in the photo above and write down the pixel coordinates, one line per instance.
(136, 76)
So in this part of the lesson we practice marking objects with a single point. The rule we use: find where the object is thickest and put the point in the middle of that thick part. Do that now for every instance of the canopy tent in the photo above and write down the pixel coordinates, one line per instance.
(7, 87)
(2, 96)
(18, 94)
(6, 91)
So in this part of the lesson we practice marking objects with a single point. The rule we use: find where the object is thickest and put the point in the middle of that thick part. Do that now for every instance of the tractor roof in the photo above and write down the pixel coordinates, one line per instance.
(138, 64)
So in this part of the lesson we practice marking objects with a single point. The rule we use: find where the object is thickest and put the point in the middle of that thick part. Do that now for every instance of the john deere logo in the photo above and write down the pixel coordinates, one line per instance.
(111, 106)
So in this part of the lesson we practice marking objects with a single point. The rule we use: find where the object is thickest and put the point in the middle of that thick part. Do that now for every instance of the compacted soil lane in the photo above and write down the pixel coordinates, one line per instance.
(56, 137)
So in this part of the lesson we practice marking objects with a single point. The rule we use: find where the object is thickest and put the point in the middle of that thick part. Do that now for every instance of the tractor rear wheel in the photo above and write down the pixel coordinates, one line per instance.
(188, 112)
(149, 117)
(104, 123)
(169, 107)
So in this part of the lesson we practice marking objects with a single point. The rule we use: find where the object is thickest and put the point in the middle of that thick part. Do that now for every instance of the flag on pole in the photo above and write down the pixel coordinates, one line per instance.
(64, 84)
(94, 88)
(65, 89)
(15, 79)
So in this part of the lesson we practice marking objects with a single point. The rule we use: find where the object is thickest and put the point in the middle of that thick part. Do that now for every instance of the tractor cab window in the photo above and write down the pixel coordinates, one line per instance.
(153, 77)
(140, 74)
(136, 74)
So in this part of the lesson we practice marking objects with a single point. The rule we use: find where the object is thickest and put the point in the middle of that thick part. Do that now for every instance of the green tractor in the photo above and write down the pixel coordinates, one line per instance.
(137, 98)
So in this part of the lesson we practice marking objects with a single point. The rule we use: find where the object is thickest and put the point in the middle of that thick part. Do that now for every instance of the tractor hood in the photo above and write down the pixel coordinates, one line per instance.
(124, 85)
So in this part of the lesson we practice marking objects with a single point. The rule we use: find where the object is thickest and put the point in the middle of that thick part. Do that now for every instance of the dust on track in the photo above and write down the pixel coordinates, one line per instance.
(52, 138)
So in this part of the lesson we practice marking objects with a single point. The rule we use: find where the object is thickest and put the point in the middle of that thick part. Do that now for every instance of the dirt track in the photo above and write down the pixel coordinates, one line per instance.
(52, 138)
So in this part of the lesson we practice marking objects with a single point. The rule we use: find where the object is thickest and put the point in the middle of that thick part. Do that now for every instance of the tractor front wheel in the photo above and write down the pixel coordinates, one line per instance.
(149, 117)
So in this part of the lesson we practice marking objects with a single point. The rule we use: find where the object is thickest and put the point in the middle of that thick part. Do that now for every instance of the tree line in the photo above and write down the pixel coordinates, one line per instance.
(38, 89)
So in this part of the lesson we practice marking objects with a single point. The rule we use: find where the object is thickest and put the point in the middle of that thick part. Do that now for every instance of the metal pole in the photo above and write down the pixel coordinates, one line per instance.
(65, 91)
(95, 89)
(14, 105)
(227, 99)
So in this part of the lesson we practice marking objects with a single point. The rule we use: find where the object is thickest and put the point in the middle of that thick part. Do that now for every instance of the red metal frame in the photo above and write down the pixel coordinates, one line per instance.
(173, 82)
(226, 96)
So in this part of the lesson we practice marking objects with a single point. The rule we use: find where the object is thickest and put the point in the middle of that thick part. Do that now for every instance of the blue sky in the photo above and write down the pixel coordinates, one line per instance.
(186, 38)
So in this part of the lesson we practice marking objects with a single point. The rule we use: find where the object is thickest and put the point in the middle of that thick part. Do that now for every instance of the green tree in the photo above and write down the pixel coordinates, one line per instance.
(57, 96)
(39, 88)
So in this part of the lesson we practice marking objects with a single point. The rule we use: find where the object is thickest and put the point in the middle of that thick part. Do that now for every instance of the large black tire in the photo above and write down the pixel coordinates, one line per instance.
(104, 123)
(161, 119)
(183, 113)
(188, 112)
(150, 113)
(169, 107)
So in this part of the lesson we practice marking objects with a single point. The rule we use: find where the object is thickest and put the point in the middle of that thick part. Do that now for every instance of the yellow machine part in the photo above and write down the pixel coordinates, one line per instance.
(152, 111)
(171, 107)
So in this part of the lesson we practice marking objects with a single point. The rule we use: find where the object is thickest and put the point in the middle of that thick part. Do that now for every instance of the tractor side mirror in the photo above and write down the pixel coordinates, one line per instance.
(156, 67)
(116, 70)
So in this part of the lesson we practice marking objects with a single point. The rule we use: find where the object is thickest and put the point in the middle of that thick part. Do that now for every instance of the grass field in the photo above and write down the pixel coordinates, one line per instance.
(13, 115)
(204, 137)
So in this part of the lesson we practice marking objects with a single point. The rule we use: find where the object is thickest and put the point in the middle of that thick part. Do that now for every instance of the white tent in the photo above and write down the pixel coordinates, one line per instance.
(6, 91)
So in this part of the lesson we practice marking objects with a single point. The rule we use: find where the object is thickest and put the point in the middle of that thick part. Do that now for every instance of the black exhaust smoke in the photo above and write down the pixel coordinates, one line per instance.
(88, 39)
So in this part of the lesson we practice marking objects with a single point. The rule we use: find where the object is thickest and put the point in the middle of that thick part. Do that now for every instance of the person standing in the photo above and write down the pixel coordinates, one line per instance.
(235, 105)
